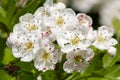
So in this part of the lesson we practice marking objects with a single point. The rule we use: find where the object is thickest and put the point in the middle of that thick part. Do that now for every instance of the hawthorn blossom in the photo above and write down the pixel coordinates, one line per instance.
(84, 20)
(104, 39)
(29, 24)
(78, 60)
(60, 20)
(46, 33)
(46, 58)
(69, 40)
(26, 46)
(12, 39)
(47, 9)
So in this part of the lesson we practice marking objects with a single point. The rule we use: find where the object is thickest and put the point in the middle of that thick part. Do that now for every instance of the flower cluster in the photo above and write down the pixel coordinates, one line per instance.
(36, 35)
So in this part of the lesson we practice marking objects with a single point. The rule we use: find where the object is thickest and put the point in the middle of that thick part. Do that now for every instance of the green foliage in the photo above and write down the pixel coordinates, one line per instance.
(116, 24)
(109, 61)
(4, 75)
(7, 57)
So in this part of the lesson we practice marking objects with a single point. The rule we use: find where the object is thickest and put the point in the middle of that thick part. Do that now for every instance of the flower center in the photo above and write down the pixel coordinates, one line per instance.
(44, 12)
(100, 39)
(74, 40)
(78, 58)
(28, 46)
(81, 22)
(59, 21)
(31, 28)
(46, 56)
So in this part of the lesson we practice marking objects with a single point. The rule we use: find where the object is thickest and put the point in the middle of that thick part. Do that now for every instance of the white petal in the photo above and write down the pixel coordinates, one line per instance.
(15, 52)
(81, 66)
(17, 28)
(112, 42)
(60, 6)
(28, 57)
(112, 51)
(68, 66)
(88, 54)
(106, 31)
(85, 17)
(27, 17)
(39, 78)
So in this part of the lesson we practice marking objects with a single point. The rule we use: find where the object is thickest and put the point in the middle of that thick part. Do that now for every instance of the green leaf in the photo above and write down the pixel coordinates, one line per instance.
(24, 76)
(49, 75)
(29, 8)
(7, 56)
(2, 12)
(55, 1)
(94, 65)
(97, 78)
(108, 60)
(116, 24)
(26, 66)
(112, 73)
(4, 75)
(2, 46)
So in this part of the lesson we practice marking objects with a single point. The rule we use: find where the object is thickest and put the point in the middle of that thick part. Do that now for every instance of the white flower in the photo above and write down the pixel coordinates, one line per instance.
(84, 20)
(39, 78)
(78, 60)
(12, 39)
(47, 9)
(29, 24)
(46, 33)
(59, 20)
(57, 7)
(112, 51)
(104, 38)
(70, 40)
(27, 46)
(64, 1)
(47, 57)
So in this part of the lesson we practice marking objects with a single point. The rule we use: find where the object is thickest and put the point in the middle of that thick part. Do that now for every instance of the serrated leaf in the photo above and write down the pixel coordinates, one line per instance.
(109, 61)
(7, 56)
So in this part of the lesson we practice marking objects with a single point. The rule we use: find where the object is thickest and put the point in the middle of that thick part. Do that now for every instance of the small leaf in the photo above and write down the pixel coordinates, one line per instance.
(2, 12)
(4, 75)
(109, 61)
(26, 66)
(24, 76)
(92, 66)
(49, 75)
(116, 24)
(7, 56)
(2, 46)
